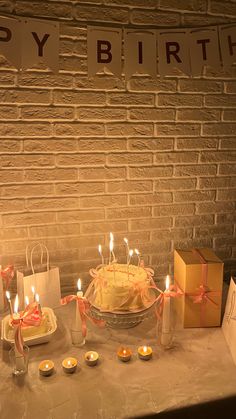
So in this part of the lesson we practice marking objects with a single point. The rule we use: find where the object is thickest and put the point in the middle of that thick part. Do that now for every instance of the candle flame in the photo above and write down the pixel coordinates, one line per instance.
(79, 284)
(100, 249)
(16, 304)
(111, 237)
(37, 298)
(131, 252)
(69, 363)
(33, 289)
(145, 349)
(8, 295)
(26, 300)
(167, 282)
(46, 366)
(111, 246)
(91, 356)
(126, 240)
(124, 351)
(136, 251)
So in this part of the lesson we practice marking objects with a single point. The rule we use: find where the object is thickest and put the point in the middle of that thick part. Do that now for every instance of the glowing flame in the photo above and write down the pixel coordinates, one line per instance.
(167, 282)
(8, 295)
(16, 304)
(79, 284)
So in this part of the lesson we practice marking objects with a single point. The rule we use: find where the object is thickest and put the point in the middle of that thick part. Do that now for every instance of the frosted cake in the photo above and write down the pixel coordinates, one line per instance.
(121, 288)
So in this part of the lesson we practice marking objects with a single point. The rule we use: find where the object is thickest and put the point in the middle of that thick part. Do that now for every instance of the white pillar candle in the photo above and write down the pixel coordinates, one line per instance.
(1, 292)
(20, 361)
(33, 292)
(100, 252)
(166, 316)
(138, 254)
(127, 249)
(78, 338)
(39, 305)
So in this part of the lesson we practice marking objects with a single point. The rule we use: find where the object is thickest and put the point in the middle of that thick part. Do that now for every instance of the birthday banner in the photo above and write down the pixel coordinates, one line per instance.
(185, 51)
(26, 42)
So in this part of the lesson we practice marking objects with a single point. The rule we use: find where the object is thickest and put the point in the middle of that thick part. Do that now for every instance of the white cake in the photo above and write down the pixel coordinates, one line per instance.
(122, 288)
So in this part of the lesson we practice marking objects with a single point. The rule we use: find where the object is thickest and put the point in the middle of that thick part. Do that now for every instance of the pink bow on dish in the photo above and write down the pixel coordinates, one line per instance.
(29, 317)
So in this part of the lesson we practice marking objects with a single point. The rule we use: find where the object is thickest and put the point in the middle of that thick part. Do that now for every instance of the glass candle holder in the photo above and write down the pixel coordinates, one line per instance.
(19, 362)
(77, 337)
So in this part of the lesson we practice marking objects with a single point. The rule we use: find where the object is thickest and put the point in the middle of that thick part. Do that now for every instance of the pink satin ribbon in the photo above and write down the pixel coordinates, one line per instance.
(29, 317)
(173, 292)
(7, 274)
(84, 308)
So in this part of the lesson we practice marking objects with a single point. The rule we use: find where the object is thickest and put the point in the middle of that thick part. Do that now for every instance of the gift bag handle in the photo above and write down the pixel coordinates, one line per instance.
(27, 256)
(43, 248)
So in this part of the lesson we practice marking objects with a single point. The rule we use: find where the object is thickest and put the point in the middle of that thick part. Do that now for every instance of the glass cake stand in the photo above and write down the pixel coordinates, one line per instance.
(122, 320)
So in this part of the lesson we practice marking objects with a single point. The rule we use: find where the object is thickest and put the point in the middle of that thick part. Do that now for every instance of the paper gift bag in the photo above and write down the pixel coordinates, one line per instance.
(44, 278)
(229, 320)
(199, 275)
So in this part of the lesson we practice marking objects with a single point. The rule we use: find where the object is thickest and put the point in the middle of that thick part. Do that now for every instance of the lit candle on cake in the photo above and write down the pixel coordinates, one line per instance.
(127, 249)
(19, 358)
(39, 305)
(138, 254)
(33, 292)
(100, 252)
(131, 252)
(9, 301)
(166, 316)
(26, 301)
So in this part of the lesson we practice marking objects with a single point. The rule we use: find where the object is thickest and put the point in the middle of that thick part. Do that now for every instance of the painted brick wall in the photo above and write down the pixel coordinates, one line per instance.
(152, 160)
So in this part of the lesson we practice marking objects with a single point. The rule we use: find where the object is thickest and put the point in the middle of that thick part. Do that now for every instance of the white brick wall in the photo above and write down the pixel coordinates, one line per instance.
(153, 160)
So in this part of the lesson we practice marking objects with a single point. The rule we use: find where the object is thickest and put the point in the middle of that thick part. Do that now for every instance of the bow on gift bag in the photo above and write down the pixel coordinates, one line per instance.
(6, 276)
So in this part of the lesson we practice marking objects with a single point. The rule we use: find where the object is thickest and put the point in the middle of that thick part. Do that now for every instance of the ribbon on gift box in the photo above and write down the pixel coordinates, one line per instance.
(84, 309)
(29, 317)
(203, 293)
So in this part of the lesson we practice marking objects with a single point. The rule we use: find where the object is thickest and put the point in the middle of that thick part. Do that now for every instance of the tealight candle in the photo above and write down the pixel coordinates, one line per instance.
(46, 367)
(91, 358)
(145, 352)
(69, 365)
(124, 354)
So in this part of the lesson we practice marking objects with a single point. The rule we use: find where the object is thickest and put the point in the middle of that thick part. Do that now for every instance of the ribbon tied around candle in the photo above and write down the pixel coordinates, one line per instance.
(84, 308)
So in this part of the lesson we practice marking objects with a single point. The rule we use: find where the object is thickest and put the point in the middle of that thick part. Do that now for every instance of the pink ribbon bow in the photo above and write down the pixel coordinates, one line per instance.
(84, 308)
(7, 275)
(29, 317)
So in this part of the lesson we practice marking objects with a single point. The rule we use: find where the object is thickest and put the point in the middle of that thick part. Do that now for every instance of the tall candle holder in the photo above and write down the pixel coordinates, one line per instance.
(19, 362)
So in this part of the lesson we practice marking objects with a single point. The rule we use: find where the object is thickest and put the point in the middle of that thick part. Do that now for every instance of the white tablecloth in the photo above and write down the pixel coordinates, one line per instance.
(199, 367)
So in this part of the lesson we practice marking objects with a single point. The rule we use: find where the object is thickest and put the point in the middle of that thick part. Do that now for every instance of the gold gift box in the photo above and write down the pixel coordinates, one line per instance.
(200, 304)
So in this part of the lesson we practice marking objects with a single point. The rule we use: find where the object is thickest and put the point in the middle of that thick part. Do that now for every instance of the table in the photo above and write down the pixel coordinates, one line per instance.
(199, 367)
